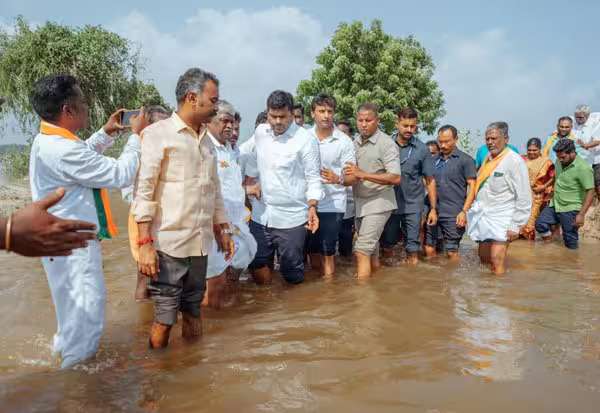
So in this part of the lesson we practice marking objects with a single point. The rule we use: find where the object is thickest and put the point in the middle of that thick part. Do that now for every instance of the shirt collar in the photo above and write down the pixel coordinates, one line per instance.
(215, 141)
(373, 138)
(181, 125)
(334, 134)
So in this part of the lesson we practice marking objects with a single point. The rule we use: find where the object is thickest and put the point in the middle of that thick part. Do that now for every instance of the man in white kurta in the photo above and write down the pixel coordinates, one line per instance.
(60, 159)
(230, 177)
(587, 132)
(502, 199)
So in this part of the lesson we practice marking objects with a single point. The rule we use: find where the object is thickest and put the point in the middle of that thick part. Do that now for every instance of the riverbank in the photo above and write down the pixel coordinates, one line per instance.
(13, 195)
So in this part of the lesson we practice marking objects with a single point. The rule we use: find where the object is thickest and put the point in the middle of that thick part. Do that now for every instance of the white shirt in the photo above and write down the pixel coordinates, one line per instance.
(79, 167)
(587, 132)
(289, 167)
(248, 150)
(335, 152)
(503, 202)
(230, 176)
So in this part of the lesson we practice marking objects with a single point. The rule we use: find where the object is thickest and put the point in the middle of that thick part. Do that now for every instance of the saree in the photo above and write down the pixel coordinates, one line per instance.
(541, 171)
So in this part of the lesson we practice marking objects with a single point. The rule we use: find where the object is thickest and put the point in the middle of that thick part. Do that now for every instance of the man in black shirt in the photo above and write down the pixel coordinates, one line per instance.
(455, 175)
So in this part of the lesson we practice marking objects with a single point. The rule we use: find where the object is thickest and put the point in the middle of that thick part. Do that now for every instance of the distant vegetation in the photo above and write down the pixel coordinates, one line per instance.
(106, 65)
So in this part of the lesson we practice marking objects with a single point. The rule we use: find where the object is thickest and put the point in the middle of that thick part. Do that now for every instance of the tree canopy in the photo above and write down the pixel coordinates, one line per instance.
(106, 65)
(367, 65)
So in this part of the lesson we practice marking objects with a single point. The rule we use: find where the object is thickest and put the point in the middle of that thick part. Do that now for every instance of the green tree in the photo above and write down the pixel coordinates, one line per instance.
(361, 65)
(106, 65)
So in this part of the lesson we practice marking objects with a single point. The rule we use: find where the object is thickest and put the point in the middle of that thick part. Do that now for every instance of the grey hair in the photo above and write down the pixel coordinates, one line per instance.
(583, 109)
(500, 126)
(225, 108)
(155, 113)
(193, 80)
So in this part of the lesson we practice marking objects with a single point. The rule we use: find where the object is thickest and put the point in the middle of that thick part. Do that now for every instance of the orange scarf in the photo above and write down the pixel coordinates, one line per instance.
(107, 229)
(489, 165)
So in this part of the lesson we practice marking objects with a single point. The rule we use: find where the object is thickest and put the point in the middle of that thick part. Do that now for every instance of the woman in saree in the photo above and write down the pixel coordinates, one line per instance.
(541, 178)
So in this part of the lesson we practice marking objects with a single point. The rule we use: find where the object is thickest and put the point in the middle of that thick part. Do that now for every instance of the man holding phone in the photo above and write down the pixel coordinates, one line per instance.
(59, 159)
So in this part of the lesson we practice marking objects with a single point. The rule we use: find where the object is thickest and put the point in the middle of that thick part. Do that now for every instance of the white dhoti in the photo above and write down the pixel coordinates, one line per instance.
(79, 295)
(488, 224)
(503, 202)
(245, 250)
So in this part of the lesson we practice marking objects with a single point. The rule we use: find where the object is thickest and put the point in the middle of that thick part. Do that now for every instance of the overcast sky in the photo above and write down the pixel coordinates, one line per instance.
(524, 62)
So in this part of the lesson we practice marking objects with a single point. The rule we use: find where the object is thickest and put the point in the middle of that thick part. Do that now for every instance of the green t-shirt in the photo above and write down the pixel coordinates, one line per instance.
(572, 183)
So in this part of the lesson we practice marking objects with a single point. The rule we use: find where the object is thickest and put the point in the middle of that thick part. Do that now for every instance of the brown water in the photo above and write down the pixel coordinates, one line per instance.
(436, 338)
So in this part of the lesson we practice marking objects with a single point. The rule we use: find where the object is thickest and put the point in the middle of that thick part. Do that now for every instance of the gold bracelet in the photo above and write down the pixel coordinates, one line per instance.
(7, 234)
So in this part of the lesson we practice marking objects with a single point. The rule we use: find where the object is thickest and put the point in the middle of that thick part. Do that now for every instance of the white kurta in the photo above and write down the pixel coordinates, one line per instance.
(588, 132)
(230, 177)
(77, 281)
(503, 202)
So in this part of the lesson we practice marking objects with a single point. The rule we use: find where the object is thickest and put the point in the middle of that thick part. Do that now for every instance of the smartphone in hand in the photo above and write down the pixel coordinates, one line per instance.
(126, 117)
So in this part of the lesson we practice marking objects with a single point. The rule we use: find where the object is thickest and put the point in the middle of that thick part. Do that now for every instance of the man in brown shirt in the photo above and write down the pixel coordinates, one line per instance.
(179, 207)
(376, 172)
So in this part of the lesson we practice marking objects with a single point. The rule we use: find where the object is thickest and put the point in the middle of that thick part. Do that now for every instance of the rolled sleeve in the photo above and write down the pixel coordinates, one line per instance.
(469, 168)
(144, 206)
(100, 141)
(219, 216)
(586, 178)
(391, 158)
(251, 165)
(311, 161)
(93, 170)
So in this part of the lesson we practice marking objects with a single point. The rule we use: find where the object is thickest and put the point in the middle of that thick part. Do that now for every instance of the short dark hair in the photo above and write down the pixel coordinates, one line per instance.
(450, 128)
(323, 99)
(154, 112)
(50, 93)
(432, 143)
(193, 80)
(300, 107)
(407, 113)
(564, 118)
(535, 142)
(368, 107)
(564, 146)
(280, 99)
(260, 118)
(347, 123)
(237, 117)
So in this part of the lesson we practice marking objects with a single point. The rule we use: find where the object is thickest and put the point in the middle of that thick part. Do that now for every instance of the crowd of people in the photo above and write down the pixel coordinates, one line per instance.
(205, 208)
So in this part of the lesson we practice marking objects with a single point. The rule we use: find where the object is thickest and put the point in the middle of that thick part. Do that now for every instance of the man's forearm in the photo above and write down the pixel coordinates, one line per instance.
(432, 192)
(145, 229)
(382, 178)
(313, 203)
(470, 196)
(587, 202)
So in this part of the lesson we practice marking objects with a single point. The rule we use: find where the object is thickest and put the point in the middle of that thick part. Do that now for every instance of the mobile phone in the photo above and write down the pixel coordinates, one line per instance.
(126, 117)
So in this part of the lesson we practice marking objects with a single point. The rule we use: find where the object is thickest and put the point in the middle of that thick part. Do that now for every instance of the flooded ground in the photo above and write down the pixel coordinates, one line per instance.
(435, 338)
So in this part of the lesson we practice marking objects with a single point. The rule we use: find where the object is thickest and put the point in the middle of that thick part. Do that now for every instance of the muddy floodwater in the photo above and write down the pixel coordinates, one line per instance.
(435, 338)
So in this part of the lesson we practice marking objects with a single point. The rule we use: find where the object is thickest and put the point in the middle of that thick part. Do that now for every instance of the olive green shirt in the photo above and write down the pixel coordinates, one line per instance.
(571, 185)
(377, 154)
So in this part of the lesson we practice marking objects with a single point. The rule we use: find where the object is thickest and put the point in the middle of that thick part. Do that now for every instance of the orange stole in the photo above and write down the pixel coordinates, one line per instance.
(107, 229)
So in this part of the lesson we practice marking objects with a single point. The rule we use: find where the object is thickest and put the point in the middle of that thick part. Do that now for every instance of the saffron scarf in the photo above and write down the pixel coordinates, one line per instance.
(489, 165)
(551, 141)
(107, 229)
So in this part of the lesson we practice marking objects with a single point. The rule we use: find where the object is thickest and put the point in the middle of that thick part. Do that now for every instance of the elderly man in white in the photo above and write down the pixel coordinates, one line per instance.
(60, 159)
(587, 132)
(502, 199)
(219, 268)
